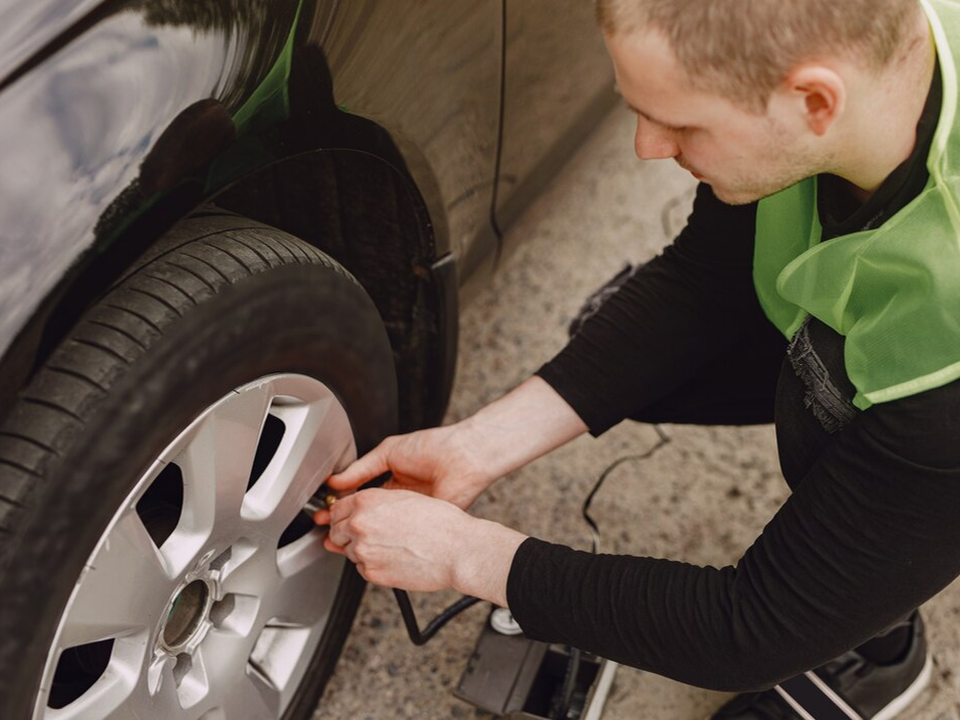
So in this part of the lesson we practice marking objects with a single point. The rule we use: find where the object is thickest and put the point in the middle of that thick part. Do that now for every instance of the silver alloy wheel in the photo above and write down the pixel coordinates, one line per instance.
(221, 617)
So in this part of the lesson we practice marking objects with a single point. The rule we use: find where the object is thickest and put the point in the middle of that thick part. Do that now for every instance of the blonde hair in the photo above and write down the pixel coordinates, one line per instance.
(744, 49)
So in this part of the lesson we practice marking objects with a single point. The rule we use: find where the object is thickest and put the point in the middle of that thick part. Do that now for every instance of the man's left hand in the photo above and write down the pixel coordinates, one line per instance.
(407, 540)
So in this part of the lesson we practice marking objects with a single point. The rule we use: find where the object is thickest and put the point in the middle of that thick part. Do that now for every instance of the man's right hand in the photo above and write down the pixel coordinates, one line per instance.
(436, 462)
(458, 462)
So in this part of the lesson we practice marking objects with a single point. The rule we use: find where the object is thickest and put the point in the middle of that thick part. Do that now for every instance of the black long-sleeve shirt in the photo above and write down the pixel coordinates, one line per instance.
(870, 531)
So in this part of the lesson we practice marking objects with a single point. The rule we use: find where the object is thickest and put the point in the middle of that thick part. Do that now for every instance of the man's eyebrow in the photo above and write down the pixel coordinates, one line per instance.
(638, 111)
(647, 116)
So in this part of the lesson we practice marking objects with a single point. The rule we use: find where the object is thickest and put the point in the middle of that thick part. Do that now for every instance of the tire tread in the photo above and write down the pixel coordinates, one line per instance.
(99, 346)
(22, 468)
(99, 322)
(158, 298)
(174, 286)
(50, 405)
(210, 265)
(238, 260)
(70, 372)
(297, 257)
(249, 245)
(27, 439)
(198, 276)
(138, 316)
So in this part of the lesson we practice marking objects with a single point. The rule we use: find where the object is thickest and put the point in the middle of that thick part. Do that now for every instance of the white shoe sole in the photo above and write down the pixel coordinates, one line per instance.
(909, 695)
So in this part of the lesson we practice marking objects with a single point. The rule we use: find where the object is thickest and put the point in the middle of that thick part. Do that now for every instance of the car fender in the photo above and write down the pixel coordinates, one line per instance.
(157, 108)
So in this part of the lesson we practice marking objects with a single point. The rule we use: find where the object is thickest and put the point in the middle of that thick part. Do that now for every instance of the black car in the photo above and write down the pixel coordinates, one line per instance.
(233, 239)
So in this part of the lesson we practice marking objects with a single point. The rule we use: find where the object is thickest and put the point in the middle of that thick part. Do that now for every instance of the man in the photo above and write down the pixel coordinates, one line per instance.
(825, 136)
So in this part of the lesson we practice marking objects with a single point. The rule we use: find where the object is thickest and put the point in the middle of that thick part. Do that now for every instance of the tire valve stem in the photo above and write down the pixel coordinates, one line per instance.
(325, 502)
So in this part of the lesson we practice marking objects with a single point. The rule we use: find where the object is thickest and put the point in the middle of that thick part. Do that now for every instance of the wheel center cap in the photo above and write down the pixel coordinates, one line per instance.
(187, 617)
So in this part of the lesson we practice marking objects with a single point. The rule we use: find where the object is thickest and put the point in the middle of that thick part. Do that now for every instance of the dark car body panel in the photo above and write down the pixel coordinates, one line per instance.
(76, 129)
(27, 27)
(117, 124)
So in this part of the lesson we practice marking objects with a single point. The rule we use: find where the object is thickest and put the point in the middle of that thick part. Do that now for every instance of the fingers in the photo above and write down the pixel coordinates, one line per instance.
(331, 546)
(371, 465)
(328, 516)
(341, 533)
(331, 517)
(338, 541)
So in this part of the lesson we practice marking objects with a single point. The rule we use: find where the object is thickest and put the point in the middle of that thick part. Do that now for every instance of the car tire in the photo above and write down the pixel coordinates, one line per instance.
(224, 307)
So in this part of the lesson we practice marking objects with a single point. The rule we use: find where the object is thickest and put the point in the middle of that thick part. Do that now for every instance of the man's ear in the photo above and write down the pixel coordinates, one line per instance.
(821, 94)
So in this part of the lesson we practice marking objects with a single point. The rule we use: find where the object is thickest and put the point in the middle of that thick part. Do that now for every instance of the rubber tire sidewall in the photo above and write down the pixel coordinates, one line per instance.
(304, 319)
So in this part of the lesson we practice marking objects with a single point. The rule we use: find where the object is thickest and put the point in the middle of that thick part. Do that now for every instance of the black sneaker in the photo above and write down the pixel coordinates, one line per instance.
(847, 688)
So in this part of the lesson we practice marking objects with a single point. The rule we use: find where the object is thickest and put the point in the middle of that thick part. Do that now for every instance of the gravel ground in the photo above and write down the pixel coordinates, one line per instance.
(702, 499)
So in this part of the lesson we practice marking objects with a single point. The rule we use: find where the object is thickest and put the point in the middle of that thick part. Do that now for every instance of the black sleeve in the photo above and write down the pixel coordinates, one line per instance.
(869, 535)
(679, 311)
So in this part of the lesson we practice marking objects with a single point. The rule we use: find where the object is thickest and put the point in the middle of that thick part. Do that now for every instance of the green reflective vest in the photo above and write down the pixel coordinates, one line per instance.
(893, 292)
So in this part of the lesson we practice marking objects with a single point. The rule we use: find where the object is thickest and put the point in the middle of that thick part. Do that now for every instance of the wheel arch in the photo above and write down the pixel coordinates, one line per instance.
(371, 218)
(352, 204)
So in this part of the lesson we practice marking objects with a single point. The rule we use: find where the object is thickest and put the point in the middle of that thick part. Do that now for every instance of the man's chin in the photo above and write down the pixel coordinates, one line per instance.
(733, 197)
(746, 196)
(743, 196)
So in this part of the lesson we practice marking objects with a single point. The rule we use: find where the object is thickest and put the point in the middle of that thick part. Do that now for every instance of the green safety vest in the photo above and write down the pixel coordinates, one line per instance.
(893, 292)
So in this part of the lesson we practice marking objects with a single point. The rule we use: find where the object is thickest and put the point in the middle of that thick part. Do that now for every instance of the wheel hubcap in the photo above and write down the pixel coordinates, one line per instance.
(188, 616)
(209, 591)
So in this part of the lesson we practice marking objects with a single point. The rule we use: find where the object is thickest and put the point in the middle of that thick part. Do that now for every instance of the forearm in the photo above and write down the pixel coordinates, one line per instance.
(524, 424)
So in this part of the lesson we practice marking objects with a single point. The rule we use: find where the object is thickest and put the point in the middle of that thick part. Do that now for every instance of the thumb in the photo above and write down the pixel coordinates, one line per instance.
(371, 465)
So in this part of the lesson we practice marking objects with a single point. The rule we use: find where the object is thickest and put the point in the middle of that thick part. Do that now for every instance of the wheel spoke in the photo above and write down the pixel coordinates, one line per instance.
(124, 589)
(309, 580)
(195, 684)
(117, 692)
(252, 572)
(159, 692)
(250, 695)
(160, 681)
(225, 653)
(216, 464)
(216, 664)
(109, 698)
(317, 439)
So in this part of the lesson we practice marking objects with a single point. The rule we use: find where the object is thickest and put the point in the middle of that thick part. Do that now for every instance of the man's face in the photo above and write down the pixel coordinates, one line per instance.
(742, 156)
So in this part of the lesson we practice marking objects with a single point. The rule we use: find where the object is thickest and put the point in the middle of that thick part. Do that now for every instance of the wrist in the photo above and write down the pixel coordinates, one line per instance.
(478, 441)
(527, 422)
(483, 560)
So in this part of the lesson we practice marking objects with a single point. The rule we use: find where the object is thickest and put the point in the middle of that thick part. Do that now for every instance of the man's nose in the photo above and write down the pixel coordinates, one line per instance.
(653, 141)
